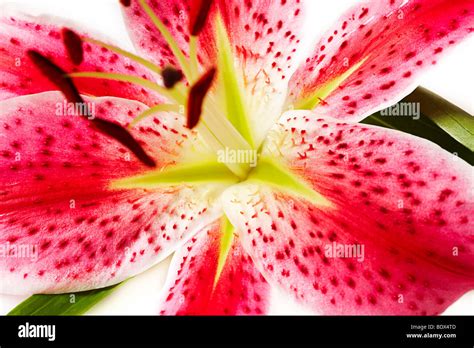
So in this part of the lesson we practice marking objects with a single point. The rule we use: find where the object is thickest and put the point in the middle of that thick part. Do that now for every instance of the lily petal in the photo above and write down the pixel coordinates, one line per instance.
(20, 77)
(267, 36)
(263, 34)
(147, 38)
(58, 206)
(382, 46)
(404, 200)
(194, 288)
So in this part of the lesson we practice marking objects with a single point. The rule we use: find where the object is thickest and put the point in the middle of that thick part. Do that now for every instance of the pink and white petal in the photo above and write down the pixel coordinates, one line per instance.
(264, 41)
(20, 77)
(190, 289)
(398, 39)
(148, 40)
(264, 35)
(404, 200)
(57, 206)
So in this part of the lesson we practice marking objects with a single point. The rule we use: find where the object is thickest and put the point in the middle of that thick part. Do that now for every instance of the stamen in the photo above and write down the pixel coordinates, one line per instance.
(126, 3)
(171, 94)
(153, 110)
(216, 145)
(73, 44)
(55, 75)
(168, 38)
(196, 97)
(125, 138)
(171, 76)
(131, 56)
(198, 15)
(60, 79)
(193, 58)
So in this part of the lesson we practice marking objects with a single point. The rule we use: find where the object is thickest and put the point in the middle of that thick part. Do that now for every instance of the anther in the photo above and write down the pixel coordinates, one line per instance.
(56, 76)
(59, 78)
(196, 97)
(198, 15)
(119, 133)
(73, 44)
(171, 76)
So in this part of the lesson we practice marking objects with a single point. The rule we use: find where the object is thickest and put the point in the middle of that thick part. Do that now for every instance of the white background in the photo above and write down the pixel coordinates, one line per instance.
(452, 78)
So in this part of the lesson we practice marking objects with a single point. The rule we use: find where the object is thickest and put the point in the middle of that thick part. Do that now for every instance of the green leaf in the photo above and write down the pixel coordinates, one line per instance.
(63, 304)
(454, 136)
(455, 121)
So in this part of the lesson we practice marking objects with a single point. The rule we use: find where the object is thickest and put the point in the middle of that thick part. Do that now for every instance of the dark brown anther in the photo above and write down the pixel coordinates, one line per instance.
(198, 15)
(56, 76)
(73, 44)
(64, 83)
(196, 97)
(171, 76)
(125, 138)
(126, 3)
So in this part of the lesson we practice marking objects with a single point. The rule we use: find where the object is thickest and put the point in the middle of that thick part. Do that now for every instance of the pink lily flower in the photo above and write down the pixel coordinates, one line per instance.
(268, 182)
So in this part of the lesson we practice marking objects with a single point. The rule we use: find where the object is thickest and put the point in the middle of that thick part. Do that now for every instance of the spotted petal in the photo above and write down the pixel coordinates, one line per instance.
(372, 56)
(196, 287)
(396, 236)
(62, 227)
(20, 77)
